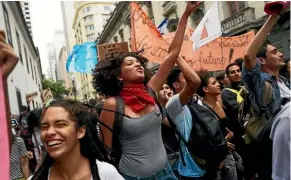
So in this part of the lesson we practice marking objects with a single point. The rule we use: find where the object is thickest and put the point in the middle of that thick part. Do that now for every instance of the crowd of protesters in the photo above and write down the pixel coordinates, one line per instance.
(175, 124)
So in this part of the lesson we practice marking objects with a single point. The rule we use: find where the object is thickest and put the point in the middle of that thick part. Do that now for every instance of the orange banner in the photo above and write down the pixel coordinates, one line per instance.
(144, 35)
(213, 56)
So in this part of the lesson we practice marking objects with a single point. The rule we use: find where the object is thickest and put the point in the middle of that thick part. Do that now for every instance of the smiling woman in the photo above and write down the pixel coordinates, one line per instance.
(73, 148)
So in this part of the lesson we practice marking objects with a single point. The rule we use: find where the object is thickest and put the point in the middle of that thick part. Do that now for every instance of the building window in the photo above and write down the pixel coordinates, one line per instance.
(115, 39)
(90, 36)
(106, 8)
(86, 9)
(121, 35)
(105, 18)
(89, 27)
(35, 75)
(236, 6)
(172, 24)
(32, 73)
(7, 24)
(27, 13)
(25, 54)
(19, 46)
(88, 18)
(19, 99)
(26, 8)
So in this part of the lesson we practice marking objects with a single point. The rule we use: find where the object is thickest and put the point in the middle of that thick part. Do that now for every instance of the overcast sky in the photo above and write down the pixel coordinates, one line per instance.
(46, 17)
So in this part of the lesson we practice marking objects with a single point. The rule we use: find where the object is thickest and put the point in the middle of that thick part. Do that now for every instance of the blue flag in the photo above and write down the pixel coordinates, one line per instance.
(83, 58)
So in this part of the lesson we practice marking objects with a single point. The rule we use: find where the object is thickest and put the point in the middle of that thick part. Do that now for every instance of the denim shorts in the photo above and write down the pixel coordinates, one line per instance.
(164, 174)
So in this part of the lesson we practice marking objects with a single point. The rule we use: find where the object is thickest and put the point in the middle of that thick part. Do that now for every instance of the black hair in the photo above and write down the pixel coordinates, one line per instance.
(33, 119)
(229, 66)
(239, 62)
(92, 102)
(91, 146)
(106, 72)
(173, 77)
(263, 49)
(23, 108)
(204, 77)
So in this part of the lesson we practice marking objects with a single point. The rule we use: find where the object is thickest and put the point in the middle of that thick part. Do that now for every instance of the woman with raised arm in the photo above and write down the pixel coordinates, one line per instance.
(143, 154)
(74, 151)
(8, 61)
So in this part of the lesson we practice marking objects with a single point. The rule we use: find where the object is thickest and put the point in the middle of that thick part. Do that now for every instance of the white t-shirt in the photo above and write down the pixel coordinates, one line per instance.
(284, 90)
(106, 172)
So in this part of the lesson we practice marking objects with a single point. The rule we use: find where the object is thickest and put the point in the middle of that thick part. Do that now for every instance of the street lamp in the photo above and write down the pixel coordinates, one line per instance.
(74, 87)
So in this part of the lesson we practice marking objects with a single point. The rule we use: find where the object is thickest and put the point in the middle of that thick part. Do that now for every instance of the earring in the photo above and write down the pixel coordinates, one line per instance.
(120, 79)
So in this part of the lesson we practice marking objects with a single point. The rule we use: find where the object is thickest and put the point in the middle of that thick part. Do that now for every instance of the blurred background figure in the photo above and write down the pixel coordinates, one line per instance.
(222, 80)
(34, 119)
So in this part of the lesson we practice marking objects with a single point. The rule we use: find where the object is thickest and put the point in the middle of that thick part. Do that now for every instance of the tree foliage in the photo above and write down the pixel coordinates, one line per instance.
(57, 87)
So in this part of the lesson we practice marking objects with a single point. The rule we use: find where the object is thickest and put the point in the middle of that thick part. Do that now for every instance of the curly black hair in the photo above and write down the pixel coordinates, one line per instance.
(91, 146)
(105, 75)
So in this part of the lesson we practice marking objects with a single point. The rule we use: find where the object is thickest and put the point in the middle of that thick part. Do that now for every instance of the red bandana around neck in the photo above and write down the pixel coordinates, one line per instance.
(136, 97)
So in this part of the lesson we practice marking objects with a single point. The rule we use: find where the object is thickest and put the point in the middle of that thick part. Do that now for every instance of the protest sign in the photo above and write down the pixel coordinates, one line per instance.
(111, 50)
(213, 56)
(46, 95)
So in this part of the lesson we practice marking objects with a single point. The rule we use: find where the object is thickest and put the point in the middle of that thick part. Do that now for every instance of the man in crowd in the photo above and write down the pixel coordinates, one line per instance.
(184, 82)
(231, 98)
(262, 62)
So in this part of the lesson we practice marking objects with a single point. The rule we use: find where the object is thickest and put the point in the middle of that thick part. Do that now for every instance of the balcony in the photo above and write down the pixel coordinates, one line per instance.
(238, 20)
(169, 7)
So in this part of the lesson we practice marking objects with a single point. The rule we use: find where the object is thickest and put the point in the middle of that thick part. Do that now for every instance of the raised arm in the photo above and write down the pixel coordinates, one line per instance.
(192, 82)
(8, 60)
(258, 41)
(161, 76)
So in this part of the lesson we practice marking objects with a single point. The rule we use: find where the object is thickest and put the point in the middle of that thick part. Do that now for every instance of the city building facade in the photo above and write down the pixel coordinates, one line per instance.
(25, 5)
(237, 17)
(24, 83)
(54, 50)
(89, 19)
(62, 73)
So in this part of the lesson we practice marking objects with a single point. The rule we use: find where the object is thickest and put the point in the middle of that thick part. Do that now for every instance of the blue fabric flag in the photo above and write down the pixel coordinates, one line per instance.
(83, 58)
(162, 27)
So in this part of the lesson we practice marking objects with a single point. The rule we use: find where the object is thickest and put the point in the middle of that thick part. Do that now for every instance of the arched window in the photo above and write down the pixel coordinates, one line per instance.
(172, 24)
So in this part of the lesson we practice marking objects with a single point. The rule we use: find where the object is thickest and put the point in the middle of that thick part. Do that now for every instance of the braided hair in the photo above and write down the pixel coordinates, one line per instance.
(91, 146)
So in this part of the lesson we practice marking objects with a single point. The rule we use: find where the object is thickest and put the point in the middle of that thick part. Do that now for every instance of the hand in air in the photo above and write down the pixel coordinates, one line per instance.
(191, 6)
(8, 58)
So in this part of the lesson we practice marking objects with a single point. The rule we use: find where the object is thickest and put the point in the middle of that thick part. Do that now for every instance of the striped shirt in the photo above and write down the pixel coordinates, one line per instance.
(18, 150)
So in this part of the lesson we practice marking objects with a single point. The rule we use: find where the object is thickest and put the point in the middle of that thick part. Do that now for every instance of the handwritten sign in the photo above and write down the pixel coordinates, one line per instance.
(46, 95)
(213, 56)
(4, 138)
(111, 50)
(30, 96)
(144, 35)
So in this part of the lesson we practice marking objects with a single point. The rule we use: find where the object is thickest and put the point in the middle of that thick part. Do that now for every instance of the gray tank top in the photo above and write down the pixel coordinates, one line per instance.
(143, 152)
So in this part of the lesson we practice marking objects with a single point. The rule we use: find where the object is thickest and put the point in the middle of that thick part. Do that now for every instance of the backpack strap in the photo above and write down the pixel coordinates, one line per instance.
(119, 116)
(239, 98)
(267, 95)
